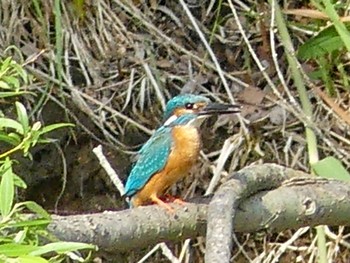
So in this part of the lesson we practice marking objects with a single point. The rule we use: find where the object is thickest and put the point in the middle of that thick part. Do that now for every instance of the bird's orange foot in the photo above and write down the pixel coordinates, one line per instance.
(161, 203)
(179, 201)
(173, 199)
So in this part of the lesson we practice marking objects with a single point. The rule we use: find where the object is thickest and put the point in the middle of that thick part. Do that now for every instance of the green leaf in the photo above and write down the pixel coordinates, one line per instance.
(26, 146)
(31, 259)
(16, 50)
(15, 250)
(31, 222)
(34, 207)
(20, 236)
(4, 85)
(46, 140)
(7, 189)
(35, 137)
(22, 116)
(5, 240)
(9, 123)
(19, 181)
(61, 247)
(15, 137)
(5, 64)
(21, 72)
(325, 42)
(13, 93)
(8, 139)
(52, 127)
(331, 168)
(13, 81)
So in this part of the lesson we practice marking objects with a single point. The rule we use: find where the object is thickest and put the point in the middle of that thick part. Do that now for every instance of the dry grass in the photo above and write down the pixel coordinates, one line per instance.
(122, 60)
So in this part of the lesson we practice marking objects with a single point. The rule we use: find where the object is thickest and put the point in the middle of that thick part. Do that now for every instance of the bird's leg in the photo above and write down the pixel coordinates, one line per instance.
(159, 202)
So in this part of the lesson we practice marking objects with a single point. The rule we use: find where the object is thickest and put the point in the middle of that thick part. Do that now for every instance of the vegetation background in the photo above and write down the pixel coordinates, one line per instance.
(110, 66)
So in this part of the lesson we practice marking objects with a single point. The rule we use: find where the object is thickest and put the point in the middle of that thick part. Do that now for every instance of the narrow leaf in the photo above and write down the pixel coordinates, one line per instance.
(325, 42)
(5, 64)
(31, 259)
(4, 94)
(34, 207)
(8, 139)
(31, 222)
(15, 250)
(4, 85)
(19, 181)
(9, 123)
(15, 137)
(13, 81)
(22, 116)
(52, 127)
(7, 189)
(331, 168)
(61, 247)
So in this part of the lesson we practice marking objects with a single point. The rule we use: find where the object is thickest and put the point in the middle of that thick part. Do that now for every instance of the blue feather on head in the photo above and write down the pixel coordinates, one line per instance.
(181, 101)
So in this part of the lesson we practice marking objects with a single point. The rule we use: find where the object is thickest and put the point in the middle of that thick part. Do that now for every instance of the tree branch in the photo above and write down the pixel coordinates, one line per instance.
(223, 207)
(302, 201)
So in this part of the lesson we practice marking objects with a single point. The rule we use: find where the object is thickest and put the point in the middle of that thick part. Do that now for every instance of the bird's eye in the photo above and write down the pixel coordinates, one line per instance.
(189, 106)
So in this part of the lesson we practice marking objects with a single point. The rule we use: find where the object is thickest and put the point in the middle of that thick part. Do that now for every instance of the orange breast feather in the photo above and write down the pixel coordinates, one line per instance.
(183, 156)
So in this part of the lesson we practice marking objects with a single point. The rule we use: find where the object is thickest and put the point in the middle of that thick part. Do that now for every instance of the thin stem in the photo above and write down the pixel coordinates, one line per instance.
(307, 109)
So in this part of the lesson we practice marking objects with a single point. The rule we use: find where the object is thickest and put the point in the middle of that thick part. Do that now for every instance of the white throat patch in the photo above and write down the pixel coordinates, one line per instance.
(170, 120)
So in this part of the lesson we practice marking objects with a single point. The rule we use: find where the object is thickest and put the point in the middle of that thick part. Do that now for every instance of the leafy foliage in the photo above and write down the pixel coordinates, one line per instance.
(324, 43)
(13, 78)
(328, 48)
(21, 235)
(22, 135)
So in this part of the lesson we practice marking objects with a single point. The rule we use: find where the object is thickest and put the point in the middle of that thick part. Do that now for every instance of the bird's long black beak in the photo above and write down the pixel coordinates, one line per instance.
(218, 108)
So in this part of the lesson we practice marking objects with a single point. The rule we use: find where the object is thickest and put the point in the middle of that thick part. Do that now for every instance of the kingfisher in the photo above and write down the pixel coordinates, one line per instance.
(172, 150)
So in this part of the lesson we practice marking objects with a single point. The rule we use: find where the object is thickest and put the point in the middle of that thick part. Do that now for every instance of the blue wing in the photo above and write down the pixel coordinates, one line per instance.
(152, 158)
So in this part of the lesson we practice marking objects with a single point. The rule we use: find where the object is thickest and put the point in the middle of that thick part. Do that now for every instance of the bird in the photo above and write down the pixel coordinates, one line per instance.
(172, 150)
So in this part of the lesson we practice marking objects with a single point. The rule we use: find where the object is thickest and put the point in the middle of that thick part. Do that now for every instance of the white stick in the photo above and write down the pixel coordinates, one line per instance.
(108, 168)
